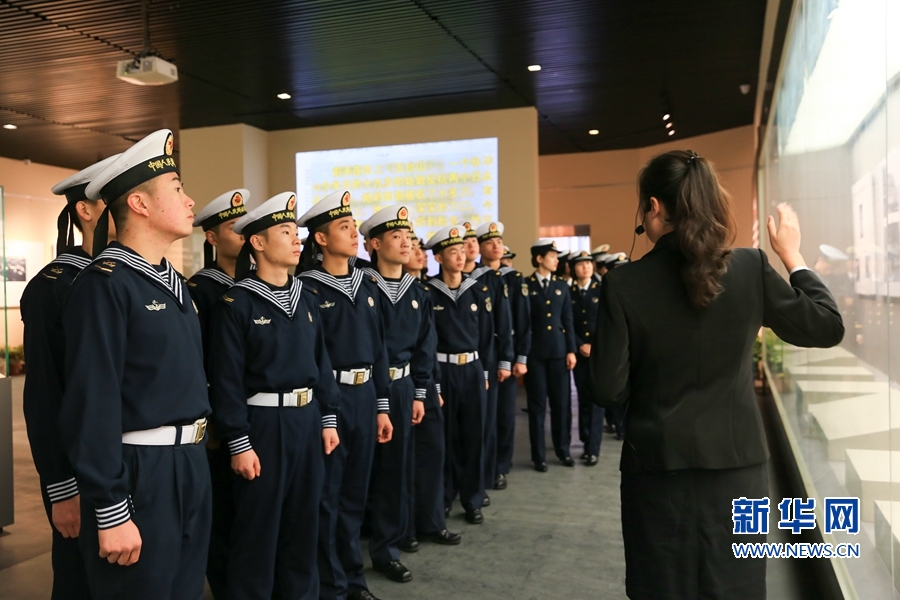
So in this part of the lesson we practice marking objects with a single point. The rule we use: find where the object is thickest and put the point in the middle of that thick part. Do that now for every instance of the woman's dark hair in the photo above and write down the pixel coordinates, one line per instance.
(309, 257)
(700, 213)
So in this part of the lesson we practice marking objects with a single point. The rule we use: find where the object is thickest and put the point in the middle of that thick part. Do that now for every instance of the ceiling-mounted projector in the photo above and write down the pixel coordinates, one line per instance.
(147, 70)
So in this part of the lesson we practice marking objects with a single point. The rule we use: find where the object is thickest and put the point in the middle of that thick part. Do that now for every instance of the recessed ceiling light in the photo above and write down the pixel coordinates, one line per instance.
(594, 131)
(284, 96)
(671, 132)
(666, 117)
(10, 126)
(534, 68)
(669, 125)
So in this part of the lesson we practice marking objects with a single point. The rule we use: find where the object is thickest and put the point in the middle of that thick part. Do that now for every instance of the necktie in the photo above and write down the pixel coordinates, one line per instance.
(545, 283)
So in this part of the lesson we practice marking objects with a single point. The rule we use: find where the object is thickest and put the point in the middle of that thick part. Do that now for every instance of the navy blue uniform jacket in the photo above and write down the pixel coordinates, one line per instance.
(552, 330)
(206, 287)
(520, 310)
(584, 311)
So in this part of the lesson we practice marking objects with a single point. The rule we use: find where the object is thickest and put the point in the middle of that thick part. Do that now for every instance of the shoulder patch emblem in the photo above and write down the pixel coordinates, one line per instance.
(155, 306)
(438, 307)
(262, 320)
(327, 304)
(487, 304)
(56, 270)
(474, 307)
(109, 263)
(227, 298)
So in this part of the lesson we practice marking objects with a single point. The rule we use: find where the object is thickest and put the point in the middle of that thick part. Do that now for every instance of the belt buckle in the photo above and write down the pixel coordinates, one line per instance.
(200, 431)
(462, 358)
(302, 396)
(395, 372)
(359, 377)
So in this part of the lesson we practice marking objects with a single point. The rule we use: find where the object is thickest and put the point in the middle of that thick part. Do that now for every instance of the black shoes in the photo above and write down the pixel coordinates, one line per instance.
(591, 460)
(409, 545)
(567, 461)
(442, 537)
(584, 455)
(361, 595)
(474, 516)
(487, 500)
(446, 512)
(500, 482)
(540, 467)
(395, 571)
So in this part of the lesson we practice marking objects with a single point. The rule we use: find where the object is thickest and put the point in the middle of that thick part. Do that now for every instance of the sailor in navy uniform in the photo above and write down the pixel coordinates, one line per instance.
(136, 400)
(411, 345)
(507, 259)
(350, 307)
(275, 401)
(552, 357)
(465, 330)
(220, 251)
(599, 256)
(499, 358)
(42, 306)
(585, 293)
(490, 240)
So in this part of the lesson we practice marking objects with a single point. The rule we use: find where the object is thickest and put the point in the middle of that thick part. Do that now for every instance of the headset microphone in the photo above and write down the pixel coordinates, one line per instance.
(639, 230)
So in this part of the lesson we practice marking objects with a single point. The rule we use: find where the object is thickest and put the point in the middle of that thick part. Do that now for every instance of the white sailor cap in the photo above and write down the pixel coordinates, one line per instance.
(228, 206)
(581, 256)
(542, 246)
(332, 207)
(451, 235)
(74, 187)
(276, 210)
(507, 253)
(149, 158)
(488, 231)
(563, 255)
(618, 258)
(392, 217)
(470, 231)
(601, 249)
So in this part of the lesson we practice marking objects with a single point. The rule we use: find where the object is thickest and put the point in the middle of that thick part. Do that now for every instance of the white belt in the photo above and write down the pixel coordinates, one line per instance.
(170, 435)
(353, 376)
(458, 359)
(292, 399)
(399, 372)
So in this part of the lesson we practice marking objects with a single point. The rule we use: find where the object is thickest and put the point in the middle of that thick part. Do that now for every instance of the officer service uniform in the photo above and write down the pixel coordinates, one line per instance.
(350, 308)
(136, 404)
(411, 344)
(44, 341)
(585, 304)
(552, 337)
(207, 286)
(273, 391)
(465, 332)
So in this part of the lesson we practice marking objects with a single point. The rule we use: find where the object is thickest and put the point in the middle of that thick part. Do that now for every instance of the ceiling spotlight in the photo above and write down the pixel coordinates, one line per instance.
(666, 117)
(10, 126)
(534, 68)
(284, 96)
(671, 132)
(594, 132)
(669, 125)
(745, 89)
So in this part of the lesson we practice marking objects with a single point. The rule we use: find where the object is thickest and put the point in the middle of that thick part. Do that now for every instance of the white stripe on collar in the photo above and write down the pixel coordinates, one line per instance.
(453, 295)
(406, 282)
(170, 280)
(479, 272)
(263, 291)
(356, 277)
(215, 275)
(74, 260)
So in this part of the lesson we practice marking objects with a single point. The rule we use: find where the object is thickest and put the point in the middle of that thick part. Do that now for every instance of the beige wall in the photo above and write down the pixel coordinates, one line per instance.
(30, 211)
(599, 188)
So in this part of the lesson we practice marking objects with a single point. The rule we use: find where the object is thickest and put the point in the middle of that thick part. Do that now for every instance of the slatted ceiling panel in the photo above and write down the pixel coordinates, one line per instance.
(605, 64)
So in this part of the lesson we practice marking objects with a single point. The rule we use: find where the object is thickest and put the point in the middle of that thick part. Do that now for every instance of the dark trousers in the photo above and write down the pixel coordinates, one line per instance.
(391, 473)
(426, 507)
(222, 478)
(462, 387)
(69, 577)
(590, 416)
(170, 492)
(490, 426)
(275, 531)
(506, 424)
(343, 505)
(677, 528)
(548, 379)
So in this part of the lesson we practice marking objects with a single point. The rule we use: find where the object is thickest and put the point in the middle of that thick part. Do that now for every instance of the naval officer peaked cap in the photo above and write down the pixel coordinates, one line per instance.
(507, 253)
(73, 188)
(276, 210)
(488, 231)
(149, 158)
(392, 217)
(446, 237)
(578, 257)
(332, 207)
(542, 246)
(601, 249)
(228, 206)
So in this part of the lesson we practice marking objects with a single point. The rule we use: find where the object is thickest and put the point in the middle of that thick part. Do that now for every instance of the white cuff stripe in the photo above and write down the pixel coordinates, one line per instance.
(239, 445)
(384, 405)
(421, 393)
(115, 515)
(438, 387)
(505, 365)
(485, 375)
(57, 492)
(329, 422)
(522, 360)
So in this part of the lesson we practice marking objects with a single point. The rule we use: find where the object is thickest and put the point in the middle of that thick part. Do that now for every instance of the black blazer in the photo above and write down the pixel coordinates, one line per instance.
(687, 374)
(552, 330)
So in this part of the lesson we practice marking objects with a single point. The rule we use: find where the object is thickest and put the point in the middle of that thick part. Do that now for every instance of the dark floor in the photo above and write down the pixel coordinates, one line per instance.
(553, 535)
